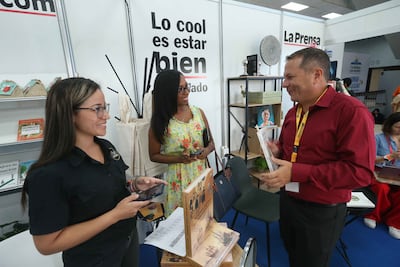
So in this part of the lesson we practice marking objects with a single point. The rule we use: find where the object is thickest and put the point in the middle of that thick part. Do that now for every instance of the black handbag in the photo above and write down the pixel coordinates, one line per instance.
(225, 193)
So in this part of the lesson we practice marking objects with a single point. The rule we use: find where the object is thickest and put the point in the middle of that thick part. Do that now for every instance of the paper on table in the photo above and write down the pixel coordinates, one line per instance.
(170, 234)
(359, 200)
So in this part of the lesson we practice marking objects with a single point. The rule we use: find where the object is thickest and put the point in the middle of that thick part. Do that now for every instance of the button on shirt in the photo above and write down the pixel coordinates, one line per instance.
(336, 152)
(76, 189)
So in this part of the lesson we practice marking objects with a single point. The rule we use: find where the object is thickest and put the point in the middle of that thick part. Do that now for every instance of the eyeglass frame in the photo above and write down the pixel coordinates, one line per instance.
(98, 109)
(181, 90)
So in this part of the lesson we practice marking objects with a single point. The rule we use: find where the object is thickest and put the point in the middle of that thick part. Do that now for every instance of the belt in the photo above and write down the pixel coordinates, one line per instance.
(314, 204)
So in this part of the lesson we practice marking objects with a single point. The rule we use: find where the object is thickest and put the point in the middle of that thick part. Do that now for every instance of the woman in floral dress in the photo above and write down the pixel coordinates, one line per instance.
(176, 135)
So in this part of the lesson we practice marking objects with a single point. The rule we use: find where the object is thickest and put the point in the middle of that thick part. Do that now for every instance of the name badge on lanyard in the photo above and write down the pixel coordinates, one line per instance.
(301, 121)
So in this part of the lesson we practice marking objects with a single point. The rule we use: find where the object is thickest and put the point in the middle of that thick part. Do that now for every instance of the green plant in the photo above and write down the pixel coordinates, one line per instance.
(242, 91)
(260, 164)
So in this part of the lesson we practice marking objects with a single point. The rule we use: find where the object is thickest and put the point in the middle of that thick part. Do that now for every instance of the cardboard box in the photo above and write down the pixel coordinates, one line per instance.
(252, 141)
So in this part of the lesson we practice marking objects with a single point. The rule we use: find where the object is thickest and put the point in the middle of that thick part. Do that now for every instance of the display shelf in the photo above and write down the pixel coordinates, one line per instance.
(255, 78)
(14, 109)
(19, 143)
(241, 105)
(265, 84)
(7, 103)
(22, 99)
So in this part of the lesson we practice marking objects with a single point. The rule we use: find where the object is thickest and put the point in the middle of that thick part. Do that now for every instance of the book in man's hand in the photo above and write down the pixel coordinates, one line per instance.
(207, 242)
(264, 135)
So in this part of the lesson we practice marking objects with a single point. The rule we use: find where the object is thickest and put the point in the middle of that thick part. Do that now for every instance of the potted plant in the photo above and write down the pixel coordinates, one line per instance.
(260, 164)
(243, 92)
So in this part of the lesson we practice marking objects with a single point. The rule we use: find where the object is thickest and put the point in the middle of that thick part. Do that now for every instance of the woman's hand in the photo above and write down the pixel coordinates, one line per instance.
(206, 151)
(396, 155)
(128, 207)
(186, 158)
(144, 183)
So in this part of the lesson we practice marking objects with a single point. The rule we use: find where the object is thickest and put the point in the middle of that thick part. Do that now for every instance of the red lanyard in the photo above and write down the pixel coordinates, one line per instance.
(389, 144)
(390, 148)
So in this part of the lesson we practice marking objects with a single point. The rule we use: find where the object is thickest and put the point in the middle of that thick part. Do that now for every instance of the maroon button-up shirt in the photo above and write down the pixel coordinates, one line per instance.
(337, 149)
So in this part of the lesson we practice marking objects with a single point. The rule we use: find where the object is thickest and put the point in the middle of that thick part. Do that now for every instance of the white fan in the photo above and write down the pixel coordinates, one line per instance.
(270, 50)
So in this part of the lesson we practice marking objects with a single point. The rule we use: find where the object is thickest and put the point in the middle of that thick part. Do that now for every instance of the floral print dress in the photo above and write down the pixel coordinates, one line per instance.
(182, 137)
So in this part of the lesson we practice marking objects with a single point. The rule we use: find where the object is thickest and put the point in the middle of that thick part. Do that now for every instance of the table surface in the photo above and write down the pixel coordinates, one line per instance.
(388, 181)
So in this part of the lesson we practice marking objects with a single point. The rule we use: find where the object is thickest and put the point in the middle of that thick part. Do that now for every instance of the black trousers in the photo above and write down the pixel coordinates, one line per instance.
(131, 258)
(310, 231)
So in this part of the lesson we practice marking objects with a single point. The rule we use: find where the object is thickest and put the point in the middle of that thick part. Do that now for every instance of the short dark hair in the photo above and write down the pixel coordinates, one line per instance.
(388, 123)
(313, 57)
(347, 81)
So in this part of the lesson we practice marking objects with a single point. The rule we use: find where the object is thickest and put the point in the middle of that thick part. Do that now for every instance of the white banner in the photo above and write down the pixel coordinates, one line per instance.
(355, 67)
(172, 35)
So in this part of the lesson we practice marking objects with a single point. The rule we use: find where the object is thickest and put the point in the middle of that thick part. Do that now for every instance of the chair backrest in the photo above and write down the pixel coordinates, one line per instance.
(249, 255)
(240, 174)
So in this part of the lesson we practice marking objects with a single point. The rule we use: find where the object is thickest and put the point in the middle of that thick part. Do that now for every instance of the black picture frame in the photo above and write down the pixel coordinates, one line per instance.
(252, 65)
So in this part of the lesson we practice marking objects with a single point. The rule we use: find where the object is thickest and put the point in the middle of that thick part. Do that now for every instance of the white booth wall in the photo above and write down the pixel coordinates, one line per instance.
(30, 49)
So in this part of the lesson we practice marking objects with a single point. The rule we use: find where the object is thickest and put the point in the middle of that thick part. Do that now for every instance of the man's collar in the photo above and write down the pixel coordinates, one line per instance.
(326, 99)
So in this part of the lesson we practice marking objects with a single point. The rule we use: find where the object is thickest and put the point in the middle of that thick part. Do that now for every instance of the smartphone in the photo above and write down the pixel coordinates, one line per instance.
(151, 193)
(196, 153)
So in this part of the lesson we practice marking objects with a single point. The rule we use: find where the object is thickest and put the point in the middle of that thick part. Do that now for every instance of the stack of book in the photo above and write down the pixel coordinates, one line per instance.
(207, 243)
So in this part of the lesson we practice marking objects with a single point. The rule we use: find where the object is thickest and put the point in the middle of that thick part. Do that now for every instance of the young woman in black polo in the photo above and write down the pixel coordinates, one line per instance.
(78, 200)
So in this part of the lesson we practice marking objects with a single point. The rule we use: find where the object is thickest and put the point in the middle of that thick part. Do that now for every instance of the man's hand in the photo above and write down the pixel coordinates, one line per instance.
(280, 177)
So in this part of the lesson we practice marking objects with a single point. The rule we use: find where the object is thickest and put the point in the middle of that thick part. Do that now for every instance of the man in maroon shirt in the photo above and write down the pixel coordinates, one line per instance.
(325, 150)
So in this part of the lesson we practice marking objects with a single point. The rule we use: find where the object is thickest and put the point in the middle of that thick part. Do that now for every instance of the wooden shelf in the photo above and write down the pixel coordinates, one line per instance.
(256, 174)
(250, 105)
(250, 155)
(255, 78)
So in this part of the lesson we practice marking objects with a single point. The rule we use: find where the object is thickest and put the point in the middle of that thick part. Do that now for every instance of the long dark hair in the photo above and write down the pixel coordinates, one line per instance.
(59, 132)
(388, 123)
(165, 104)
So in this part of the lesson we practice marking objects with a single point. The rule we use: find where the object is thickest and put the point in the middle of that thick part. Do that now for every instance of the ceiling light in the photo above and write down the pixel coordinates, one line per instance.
(331, 15)
(294, 6)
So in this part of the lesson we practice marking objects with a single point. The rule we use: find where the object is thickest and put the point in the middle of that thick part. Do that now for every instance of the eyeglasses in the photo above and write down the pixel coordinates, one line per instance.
(99, 110)
(181, 90)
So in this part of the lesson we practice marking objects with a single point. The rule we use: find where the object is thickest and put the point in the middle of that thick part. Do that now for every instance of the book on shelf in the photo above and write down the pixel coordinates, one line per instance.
(8, 175)
(23, 170)
(30, 129)
(264, 134)
(207, 242)
(10, 89)
(35, 87)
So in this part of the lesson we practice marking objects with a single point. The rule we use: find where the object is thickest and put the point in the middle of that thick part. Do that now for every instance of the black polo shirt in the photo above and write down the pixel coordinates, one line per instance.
(76, 189)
